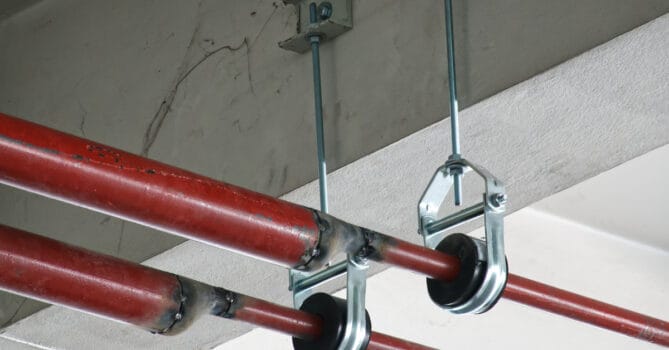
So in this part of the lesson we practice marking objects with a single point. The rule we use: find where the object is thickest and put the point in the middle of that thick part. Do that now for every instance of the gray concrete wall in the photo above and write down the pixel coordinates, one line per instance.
(203, 85)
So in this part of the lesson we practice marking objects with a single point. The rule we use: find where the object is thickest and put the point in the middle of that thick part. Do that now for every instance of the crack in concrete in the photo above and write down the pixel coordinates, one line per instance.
(105, 220)
(153, 129)
(248, 69)
(120, 238)
(24, 218)
(165, 107)
(84, 114)
(253, 42)
(16, 312)
(262, 28)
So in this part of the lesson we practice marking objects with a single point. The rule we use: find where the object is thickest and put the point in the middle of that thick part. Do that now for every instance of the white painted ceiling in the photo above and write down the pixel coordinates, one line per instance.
(631, 200)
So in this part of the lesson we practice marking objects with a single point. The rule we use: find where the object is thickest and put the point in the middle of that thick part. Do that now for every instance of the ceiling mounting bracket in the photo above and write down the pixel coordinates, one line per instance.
(335, 18)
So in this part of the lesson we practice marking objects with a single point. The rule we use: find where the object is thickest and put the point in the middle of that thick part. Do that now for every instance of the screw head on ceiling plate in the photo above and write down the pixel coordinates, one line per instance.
(324, 10)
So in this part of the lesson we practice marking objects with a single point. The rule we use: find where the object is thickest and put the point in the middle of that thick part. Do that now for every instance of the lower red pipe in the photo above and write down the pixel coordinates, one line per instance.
(161, 302)
(49, 270)
(279, 318)
(303, 325)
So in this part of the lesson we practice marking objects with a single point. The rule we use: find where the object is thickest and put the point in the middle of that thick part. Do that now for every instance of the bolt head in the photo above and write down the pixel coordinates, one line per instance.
(324, 10)
(500, 199)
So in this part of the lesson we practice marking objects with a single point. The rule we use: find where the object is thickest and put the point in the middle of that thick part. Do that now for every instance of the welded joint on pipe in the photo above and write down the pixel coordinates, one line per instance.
(337, 236)
(173, 317)
(196, 299)
(224, 302)
(309, 260)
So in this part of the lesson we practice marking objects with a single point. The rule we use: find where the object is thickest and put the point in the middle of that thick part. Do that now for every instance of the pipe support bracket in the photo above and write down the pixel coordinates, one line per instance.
(491, 250)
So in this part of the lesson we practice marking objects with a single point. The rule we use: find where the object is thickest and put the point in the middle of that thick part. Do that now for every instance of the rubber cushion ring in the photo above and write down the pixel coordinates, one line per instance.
(469, 280)
(333, 313)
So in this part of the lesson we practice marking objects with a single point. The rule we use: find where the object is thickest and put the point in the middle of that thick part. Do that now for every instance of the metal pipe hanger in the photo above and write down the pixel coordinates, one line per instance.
(85, 173)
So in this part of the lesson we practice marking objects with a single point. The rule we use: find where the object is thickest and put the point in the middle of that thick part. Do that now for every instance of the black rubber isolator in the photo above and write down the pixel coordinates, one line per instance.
(470, 278)
(333, 313)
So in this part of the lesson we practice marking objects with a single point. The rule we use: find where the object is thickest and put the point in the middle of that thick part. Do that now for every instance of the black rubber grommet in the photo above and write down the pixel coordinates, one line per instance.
(470, 278)
(333, 313)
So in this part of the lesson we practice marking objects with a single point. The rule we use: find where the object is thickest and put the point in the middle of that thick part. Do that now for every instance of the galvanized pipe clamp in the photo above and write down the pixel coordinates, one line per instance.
(348, 326)
(483, 263)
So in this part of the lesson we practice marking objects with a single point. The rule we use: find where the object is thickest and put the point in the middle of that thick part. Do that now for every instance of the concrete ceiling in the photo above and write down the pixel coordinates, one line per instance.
(550, 132)
(630, 200)
(10, 7)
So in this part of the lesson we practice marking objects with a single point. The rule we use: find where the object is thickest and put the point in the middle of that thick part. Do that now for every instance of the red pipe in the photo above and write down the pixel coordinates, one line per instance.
(279, 318)
(581, 308)
(95, 176)
(428, 262)
(303, 325)
(49, 270)
(92, 175)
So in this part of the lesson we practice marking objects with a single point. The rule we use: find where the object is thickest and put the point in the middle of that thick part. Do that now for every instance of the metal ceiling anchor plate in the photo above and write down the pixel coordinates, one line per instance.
(336, 18)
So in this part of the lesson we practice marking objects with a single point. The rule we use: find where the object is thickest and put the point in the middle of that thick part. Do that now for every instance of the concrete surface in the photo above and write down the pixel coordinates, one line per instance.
(540, 136)
(10, 7)
(631, 200)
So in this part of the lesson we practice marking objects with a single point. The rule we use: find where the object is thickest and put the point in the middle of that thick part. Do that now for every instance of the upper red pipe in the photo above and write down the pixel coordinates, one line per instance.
(92, 175)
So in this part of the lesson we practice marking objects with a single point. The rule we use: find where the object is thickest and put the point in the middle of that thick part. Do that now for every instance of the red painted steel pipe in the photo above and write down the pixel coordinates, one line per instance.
(92, 175)
(49, 270)
(279, 318)
(95, 176)
(81, 172)
(581, 308)
(294, 322)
